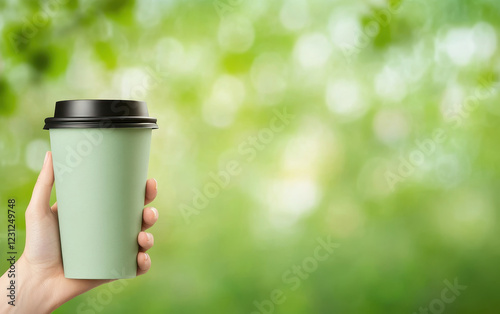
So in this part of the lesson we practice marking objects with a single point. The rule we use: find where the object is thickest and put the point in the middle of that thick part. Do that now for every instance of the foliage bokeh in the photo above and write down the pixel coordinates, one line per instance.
(365, 99)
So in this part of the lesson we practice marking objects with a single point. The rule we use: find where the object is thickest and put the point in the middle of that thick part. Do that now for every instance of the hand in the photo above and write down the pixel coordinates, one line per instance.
(41, 285)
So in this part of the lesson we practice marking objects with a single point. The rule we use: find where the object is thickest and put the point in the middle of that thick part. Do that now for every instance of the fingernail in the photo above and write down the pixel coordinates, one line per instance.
(156, 184)
(149, 236)
(46, 157)
(155, 212)
(146, 256)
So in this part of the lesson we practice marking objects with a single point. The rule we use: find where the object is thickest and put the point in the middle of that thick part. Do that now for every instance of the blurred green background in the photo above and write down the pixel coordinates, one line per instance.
(391, 151)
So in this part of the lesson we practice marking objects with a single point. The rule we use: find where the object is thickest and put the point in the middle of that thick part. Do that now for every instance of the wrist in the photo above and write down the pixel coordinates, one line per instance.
(31, 293)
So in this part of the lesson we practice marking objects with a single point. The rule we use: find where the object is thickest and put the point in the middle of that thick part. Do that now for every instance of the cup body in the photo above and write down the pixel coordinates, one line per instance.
(100, 180)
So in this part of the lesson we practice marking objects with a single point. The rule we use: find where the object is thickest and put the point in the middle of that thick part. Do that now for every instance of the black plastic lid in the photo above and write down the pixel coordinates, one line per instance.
(100, 113)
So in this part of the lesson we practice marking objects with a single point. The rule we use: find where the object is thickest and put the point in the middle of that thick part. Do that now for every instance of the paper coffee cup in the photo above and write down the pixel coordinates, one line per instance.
(100, 152)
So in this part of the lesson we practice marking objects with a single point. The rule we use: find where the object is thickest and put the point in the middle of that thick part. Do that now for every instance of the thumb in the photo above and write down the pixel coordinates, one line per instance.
(43, 186)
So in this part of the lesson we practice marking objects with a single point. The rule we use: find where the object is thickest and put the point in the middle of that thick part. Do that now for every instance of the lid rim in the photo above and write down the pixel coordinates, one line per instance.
(100, 113)
(98, 126)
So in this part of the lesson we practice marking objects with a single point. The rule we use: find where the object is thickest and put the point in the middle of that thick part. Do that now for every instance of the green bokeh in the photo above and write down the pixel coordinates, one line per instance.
(368, 87)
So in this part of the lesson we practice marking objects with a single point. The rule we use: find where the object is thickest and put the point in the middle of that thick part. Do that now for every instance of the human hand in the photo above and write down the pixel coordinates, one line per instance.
(41, 285)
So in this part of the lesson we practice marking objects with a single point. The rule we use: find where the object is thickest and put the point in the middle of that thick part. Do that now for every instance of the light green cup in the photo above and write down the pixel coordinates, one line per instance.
(100, 179)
